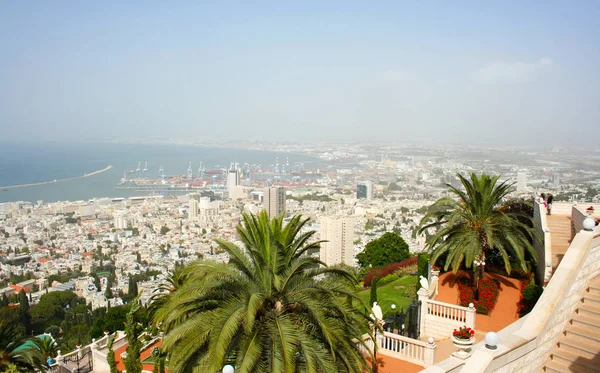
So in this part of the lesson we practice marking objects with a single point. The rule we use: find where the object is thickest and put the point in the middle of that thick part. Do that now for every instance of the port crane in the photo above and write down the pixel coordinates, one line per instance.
(189, 171)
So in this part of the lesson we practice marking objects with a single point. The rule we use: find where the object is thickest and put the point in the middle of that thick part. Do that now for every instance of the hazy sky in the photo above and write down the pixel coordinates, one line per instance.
(511, 72)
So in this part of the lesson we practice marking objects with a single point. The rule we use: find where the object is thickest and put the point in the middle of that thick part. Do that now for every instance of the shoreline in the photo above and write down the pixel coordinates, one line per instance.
(57, 181)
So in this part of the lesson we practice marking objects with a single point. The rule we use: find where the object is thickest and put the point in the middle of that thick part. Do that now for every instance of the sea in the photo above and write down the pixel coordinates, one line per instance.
(25, 163)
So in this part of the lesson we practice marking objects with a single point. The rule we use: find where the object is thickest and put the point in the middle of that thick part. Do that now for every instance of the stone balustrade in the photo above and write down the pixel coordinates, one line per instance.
(439, 319)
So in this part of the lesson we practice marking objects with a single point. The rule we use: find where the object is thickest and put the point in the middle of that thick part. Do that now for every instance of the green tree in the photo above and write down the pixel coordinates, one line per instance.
(132, 291)
(110, 356)
(477, 222)
(51, 309)
(387, 249)
(133, 330)
(24, 311)
(164, 230)
(266, 310)
(97, 282)
(13, 355)
(373, 294)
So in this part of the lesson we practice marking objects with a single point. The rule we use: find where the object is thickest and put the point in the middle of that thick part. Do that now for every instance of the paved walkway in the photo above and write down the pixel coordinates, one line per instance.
(560, 236)
(505, 312)
(388, 364)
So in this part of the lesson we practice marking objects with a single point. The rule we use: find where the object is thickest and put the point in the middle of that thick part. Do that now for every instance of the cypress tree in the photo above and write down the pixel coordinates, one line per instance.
(373, 297)
(110, 356)
(24, 311)
(97, 282)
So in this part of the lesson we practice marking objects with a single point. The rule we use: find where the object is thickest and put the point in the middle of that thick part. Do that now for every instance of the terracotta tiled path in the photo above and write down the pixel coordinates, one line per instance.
(391, 365)
(144, 354)
(505, 312)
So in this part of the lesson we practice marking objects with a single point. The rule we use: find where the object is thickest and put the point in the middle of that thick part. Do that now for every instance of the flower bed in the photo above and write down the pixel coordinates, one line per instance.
(488, 293)
(387, 270)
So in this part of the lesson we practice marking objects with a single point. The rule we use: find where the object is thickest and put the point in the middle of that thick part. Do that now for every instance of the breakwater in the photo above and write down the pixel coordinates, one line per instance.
(58, 181)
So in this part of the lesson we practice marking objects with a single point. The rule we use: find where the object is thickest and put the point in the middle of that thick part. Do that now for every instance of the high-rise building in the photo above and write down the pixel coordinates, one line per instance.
(193, 213)
(233, 179)
(120, 221)
(364, 190)
(274, 201)
(338, 231)
(521, 181)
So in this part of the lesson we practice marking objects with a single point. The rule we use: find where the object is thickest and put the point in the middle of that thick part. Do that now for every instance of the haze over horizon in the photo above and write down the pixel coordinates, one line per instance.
(474, 72)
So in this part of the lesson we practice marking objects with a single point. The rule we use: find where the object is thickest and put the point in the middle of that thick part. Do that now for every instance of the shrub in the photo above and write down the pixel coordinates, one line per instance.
(410, 291)
(389, 269)
(387, 279)
(529, 297)
(407, 271)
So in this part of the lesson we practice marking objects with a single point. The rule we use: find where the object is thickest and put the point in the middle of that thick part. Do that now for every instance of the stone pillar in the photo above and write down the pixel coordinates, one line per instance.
(471, 316)
(429, 357)
(423, 296)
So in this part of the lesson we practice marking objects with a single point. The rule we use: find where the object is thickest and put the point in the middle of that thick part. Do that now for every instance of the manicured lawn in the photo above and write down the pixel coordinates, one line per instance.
(391, 293)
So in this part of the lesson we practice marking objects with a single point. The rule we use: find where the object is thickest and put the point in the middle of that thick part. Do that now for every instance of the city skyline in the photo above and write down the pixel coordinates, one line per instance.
(490, 73)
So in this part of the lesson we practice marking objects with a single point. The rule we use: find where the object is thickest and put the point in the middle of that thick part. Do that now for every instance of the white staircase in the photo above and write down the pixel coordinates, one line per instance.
(578, 349)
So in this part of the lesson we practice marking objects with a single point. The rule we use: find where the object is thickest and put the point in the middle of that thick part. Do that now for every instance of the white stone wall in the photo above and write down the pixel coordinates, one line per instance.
(543, 245)
(439, 327)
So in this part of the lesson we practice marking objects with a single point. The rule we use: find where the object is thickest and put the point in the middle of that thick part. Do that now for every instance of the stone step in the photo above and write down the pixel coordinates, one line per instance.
(591, 299)
(594, 289)
(585, 333)
(555, 367)
(584, 348)
(588, 310)
(586, 322)
(573, 362)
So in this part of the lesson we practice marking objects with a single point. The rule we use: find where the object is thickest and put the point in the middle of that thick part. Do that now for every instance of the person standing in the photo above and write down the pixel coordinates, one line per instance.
(543, 199)
(549, 203)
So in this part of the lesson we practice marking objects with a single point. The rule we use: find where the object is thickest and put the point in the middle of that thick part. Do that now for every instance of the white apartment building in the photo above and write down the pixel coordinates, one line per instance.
(193, 209)
(338, 231)
(274, 201)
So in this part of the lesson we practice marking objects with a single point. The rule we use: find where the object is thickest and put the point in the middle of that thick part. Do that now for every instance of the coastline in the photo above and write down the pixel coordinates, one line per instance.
(58, 181)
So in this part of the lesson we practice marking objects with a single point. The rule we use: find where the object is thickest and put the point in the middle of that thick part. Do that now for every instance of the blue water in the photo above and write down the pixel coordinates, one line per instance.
(31, 163)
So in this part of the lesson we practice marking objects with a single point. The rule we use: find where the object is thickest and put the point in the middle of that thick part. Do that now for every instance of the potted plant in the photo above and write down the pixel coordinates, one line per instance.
(463, 338)
(590, 210)
(435, 271)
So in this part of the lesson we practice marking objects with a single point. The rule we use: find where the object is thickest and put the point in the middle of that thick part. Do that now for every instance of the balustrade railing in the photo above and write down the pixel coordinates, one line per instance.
(400, 347)
(447, 311)
(412, 350)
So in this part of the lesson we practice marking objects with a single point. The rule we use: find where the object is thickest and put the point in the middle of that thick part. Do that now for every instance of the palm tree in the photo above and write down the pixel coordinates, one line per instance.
(163, 292)
(266, 310)
(47, 346)
(15, 353)
(477, 222)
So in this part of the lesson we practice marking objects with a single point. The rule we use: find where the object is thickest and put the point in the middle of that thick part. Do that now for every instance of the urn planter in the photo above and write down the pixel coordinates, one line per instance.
(464, 347)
